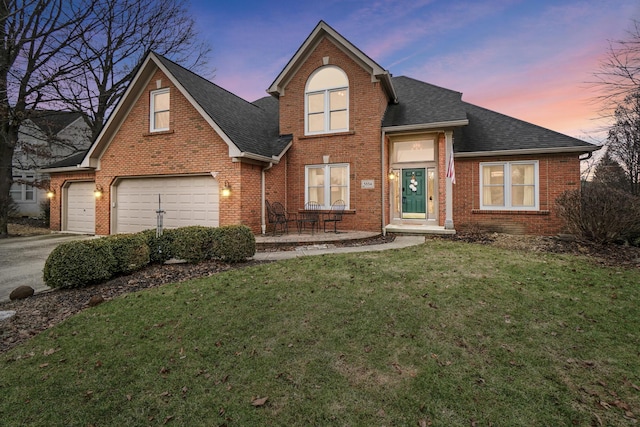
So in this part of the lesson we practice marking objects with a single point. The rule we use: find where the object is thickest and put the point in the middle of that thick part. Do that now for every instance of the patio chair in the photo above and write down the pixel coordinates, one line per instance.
(310, 215)
(334, 215)
(274, 219)
(282, 217)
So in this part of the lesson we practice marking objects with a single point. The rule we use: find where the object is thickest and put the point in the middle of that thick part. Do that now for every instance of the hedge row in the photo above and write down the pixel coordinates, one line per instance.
(82, 263)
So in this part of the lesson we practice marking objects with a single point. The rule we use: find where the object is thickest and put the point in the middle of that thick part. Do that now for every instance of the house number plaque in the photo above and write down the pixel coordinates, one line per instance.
(367, 184)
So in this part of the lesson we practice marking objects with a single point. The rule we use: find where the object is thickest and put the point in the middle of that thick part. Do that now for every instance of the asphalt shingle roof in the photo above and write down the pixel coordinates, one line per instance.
(253, 127)
(71, 161)
(420, 103)
(491, 131)
(51, 122)
(424, 103)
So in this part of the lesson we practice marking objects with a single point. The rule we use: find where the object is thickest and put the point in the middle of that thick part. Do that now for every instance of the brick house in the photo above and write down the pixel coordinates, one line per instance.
(335, 126)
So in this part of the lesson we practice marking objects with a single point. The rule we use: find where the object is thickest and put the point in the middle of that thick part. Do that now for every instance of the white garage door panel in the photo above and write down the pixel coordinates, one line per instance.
(185, 200)
(81, 208)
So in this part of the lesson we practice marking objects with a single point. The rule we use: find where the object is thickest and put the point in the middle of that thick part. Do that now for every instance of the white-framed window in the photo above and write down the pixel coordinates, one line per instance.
(327, 101)
(509, 185)
(21, 191)
(326, 184)
(159, 110)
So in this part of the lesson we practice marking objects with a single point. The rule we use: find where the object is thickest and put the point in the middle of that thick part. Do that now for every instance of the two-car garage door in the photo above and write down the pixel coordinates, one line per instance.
(191, 200)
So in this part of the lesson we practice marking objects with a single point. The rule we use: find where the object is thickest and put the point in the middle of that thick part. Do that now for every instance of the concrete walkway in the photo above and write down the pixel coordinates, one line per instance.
(328, 248)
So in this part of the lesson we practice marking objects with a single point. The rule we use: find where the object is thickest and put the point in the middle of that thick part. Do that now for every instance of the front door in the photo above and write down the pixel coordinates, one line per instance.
(414, 201)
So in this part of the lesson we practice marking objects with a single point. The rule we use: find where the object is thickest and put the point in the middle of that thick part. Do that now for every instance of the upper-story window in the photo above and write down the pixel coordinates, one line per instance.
(159, 111)
(327, 101)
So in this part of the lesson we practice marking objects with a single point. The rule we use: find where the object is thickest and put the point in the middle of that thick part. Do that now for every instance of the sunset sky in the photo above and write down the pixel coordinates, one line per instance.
(530, 59)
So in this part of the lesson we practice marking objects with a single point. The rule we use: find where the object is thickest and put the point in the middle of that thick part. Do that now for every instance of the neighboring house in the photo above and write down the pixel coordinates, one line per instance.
(336, 126)
(45, 137)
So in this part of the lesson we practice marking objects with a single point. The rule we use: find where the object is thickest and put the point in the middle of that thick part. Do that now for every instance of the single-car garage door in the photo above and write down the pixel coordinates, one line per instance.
(80, 213)
(191, 200)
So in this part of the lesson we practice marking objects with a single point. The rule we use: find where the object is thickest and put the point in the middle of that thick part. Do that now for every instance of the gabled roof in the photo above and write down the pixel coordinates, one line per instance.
(248, 129)
(321, 31)
(52, 122)
(477, 131)
(252, 127)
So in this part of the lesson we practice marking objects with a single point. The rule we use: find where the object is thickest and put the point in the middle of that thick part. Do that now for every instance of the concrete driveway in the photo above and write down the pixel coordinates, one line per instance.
(22, 260)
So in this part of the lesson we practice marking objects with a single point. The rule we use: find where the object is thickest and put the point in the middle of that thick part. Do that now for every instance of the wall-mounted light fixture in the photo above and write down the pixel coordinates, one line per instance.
(392, 174)
(226, 190)
(98, 191)
(51, 193)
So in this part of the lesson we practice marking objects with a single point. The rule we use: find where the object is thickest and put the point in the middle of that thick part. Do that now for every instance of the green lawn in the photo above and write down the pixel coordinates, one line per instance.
(442, 334)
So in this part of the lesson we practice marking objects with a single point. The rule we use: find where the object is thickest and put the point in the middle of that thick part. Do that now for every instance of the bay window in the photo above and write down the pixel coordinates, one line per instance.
(509, 185)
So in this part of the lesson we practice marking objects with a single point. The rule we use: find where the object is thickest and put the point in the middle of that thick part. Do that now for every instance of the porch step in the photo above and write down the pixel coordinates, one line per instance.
(417, 229)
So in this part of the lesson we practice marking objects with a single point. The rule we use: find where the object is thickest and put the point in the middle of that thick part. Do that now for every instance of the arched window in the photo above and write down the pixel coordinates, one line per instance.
(327, 101)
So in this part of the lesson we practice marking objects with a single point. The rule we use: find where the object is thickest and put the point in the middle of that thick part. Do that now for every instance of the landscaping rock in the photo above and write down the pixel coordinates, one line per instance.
(21, 292)
(7, 314)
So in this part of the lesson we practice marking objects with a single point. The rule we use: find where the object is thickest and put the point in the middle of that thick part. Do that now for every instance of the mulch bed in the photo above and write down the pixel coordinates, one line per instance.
(46, 309)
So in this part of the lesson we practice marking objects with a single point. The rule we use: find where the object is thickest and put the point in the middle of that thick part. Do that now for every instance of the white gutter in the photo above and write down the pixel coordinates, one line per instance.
(263, 221)
(246, 155)
(528, 151)
(64, 169)
(421, 126)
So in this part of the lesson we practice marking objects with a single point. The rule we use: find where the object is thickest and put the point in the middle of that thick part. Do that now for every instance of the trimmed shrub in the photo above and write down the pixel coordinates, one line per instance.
(160, 248)
(80, 263)
(193, 243)
(130, 251)
(234, 243)
(600, 213)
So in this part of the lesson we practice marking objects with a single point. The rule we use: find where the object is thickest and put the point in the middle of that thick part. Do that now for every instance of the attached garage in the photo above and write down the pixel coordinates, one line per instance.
(80, 208)
(190, 200)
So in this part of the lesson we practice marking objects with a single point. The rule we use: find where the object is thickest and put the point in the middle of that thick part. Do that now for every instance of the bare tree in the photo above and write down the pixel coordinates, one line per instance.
(619, 73)
(120, 33)
(618, 79)
(624, 140)
(35, 37)
(80, 55)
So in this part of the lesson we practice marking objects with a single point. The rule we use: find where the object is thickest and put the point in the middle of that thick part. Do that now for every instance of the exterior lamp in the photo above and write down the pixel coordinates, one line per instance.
(226, 190)
(98, 191)
(392, 174)
(51, 193)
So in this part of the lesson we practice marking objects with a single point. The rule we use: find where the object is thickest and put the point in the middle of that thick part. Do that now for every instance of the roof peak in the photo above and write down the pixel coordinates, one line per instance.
(324, 30)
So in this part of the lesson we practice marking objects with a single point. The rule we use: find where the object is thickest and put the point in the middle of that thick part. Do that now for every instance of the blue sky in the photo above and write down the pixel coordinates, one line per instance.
(527, 59)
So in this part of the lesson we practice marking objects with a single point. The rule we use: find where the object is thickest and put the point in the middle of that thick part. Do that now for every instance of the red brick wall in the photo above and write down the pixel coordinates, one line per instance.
(558, 173)
(58, 180)
(191, 146)
(360, 147)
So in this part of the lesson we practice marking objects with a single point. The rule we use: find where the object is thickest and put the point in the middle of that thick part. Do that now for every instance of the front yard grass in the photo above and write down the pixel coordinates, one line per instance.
(442, 334)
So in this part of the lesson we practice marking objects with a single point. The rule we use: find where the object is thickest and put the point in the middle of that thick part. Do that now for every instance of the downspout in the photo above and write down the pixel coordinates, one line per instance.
(263, 222)
(382, 186)
(589, 155)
